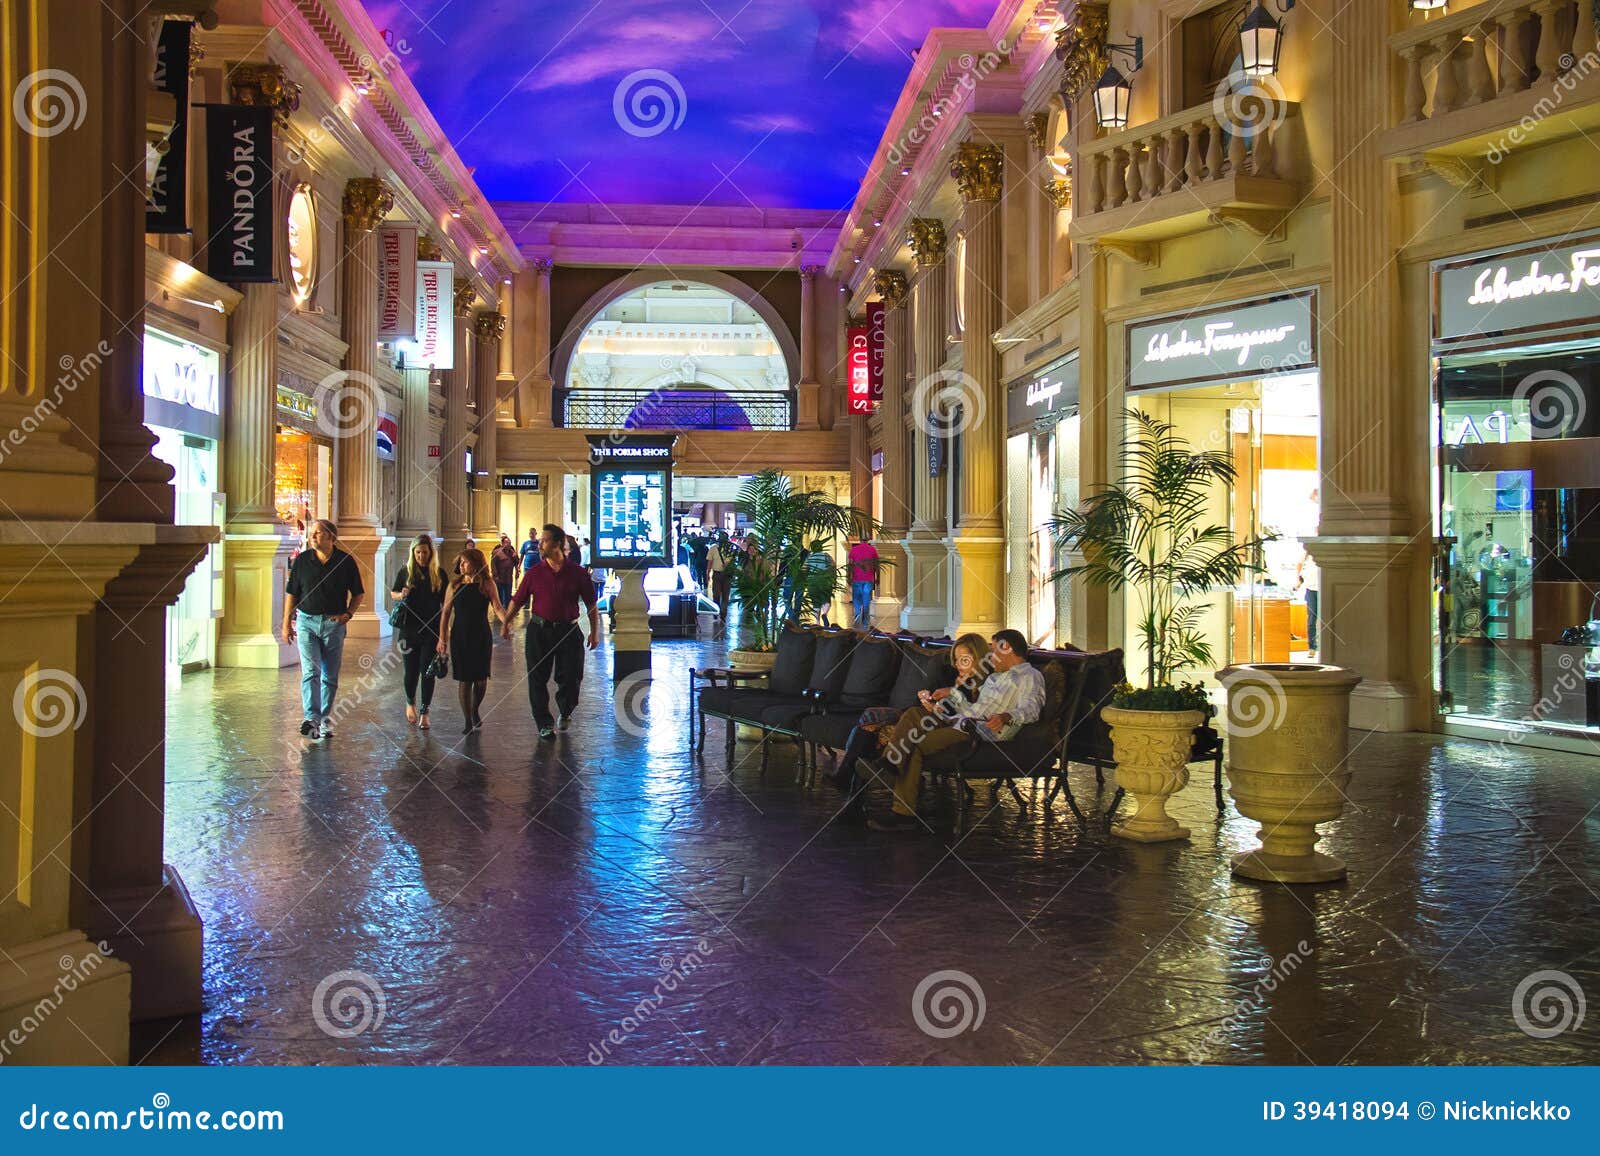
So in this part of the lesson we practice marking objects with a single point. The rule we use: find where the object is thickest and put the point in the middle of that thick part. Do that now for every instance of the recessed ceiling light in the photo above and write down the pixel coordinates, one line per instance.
(905, 170)
(455, 214)
(483, 250)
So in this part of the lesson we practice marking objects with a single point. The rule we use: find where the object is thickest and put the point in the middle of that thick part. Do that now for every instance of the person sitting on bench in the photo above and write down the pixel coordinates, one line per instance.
(1012, 695)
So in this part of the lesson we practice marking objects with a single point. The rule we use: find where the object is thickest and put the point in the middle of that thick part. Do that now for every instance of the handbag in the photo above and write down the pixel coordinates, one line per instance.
(440, 667)
(397, 615)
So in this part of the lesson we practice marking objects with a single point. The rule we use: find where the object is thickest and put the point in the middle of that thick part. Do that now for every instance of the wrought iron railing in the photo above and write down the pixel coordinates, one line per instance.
(675, 409)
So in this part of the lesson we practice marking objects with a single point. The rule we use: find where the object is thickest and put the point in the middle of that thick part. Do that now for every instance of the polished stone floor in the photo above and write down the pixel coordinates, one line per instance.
(609, 897)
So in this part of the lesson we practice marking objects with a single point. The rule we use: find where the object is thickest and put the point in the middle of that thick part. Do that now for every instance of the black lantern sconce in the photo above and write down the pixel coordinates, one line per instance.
(1261, 39)
(1113, 92)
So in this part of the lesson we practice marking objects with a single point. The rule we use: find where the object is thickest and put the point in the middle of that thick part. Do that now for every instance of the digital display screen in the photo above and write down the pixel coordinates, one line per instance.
(630, 507)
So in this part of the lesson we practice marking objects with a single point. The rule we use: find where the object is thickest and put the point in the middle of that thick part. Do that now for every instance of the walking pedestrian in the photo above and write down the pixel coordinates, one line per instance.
(503, 564)
(420, 587)
(323, 592)
(574, 551)
(863, 562)
(554, 643)
(464, 630)
(719, 562)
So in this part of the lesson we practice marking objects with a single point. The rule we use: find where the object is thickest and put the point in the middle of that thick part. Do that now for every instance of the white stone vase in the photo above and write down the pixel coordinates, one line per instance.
(1152, 752)
(1288, 737)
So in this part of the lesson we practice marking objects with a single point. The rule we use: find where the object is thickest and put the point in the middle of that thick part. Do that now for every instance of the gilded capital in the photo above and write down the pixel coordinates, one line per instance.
(809, 272)
(489, 326)
(927, 241)
(542, 266)
(891, 286)
(466, 298)
(265, 86)
(1081, 46)
(367, 200)
(978, 171)
(1037, 124)
(428, 249)
(1059, 190)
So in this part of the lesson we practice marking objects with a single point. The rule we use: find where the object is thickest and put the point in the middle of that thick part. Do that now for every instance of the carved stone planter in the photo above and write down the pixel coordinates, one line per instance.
(751, 660)
(1152, 752)
(1288, 727)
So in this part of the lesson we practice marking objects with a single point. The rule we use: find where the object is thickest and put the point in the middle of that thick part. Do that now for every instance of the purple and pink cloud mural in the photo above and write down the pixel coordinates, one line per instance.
(765, 102)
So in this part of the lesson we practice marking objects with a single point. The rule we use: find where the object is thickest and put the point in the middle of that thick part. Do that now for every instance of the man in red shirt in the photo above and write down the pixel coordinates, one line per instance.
(863, 561)
(552, 590)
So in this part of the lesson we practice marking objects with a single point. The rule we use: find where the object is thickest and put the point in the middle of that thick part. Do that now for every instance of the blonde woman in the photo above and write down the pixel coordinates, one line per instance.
(464, 632)
(420, 590)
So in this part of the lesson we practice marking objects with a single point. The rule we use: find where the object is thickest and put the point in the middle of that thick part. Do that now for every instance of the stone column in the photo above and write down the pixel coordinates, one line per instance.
(487, 329)
(419, 474)
(456, 384)
(1369, 541)
(1058, 196)
(927, 557)
(356, 403)
(530, 337)
(257, 554)
(896, 513)
(808, 392)
(978, 544)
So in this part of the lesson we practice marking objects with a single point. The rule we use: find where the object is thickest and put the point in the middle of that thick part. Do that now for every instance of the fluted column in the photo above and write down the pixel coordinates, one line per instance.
(530, 337)
(926, 556)
(456, 384)
(257, 554)
(896, 483)
(809, 391)
(357, 401)
(1365, 541)
(487, 329)
(419, 478)
(978, 541)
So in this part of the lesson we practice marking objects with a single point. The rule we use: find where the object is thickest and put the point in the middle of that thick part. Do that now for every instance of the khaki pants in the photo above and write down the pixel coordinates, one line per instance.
(916, 733)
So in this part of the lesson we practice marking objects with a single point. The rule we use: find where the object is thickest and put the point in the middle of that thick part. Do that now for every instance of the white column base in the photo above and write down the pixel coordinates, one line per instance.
(886, 613)
(256, 568)
(927, 608)
(63, 1001)
(371, 550)
(163, 942)
(1382, 706)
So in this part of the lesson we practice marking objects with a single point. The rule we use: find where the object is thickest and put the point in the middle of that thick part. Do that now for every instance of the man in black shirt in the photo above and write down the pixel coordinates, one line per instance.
(324, 591)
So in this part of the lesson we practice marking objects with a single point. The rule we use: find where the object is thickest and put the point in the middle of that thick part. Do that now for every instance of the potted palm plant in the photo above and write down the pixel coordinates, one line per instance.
(1154, 534)
(772, 578)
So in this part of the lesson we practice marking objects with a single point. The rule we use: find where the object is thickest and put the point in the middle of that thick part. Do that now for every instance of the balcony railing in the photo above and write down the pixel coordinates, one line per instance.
(1491, 52)
(675, 409)
(1187, 171)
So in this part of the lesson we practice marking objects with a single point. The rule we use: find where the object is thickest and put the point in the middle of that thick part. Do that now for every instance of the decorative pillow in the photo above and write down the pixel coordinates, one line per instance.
(873, 666)
(832, 662)
(921, 668)
(791, 671)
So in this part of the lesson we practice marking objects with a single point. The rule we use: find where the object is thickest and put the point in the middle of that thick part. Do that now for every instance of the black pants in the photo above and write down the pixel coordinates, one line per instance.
(419, 652)
(554, 648)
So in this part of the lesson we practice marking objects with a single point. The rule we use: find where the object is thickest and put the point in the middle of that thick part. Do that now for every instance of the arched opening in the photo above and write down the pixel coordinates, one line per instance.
(676, 355)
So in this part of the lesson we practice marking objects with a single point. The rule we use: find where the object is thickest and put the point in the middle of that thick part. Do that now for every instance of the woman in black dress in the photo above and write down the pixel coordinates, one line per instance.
(464, 628)
(420, 589)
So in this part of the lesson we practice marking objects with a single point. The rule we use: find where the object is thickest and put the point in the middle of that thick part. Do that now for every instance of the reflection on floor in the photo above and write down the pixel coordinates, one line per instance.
(608, 898)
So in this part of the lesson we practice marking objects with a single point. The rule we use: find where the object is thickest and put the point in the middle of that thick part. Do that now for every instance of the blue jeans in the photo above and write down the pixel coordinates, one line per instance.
(1313, 634)
(321, 648)
(861, 599)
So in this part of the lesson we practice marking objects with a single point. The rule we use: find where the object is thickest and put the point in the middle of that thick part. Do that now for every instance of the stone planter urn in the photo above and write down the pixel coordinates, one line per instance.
(1288, 727)
(1152, 752)
(751, 660)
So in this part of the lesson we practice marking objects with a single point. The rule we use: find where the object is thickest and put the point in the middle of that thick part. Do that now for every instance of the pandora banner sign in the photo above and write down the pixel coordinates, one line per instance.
(239, 221)
(1535, 287)
(1238, 342)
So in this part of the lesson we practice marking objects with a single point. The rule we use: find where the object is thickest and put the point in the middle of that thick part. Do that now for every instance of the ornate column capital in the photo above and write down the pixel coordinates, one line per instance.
(1081, 46)
(542, 265)
(264, 86)
(809, 272)
(978, 171)
(891, 286)
(466, 298)
(1059, 190)
(489, 326)
(1036, 124)
(927, 241)
(367, 200)
(428, 249)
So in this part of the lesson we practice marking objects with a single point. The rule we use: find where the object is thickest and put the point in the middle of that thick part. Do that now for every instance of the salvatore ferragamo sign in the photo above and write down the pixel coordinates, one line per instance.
(1239, 342)
(1531, 288)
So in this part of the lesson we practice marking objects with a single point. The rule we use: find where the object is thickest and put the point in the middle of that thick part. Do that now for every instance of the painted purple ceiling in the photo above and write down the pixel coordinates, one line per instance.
(782, 102)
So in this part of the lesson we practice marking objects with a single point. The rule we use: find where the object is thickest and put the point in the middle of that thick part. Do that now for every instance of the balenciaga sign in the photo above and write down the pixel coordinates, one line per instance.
(1536, 287)
(1238, 342)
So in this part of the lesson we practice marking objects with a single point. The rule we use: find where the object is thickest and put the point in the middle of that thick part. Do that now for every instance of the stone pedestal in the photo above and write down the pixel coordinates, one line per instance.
(889, 602)
(630, 638)
(256, 568)
(370, 547)
(978, 565)
(63, 1001)
(1366, 627)
(927, 599)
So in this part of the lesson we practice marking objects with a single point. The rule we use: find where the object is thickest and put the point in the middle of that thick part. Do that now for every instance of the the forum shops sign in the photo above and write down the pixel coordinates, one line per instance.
(1225, 343)
(1535, 287)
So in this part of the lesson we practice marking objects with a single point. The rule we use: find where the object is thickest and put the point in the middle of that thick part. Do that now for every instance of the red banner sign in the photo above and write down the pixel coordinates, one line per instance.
(875, 350)
(860, 367)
